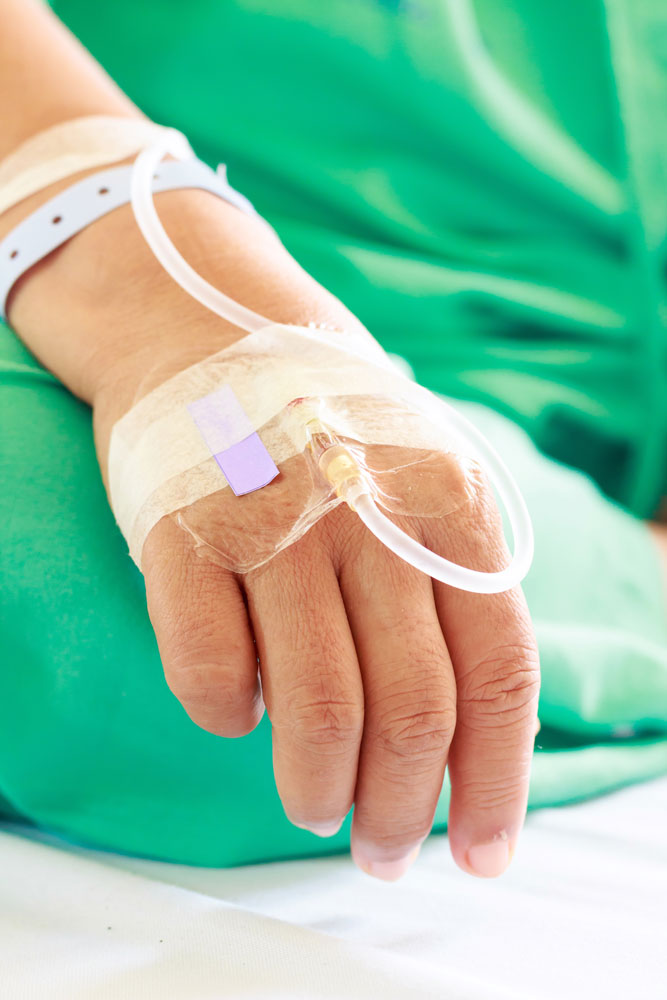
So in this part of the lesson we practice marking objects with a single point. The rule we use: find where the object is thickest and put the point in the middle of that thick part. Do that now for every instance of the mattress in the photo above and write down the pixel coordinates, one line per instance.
(582, 913)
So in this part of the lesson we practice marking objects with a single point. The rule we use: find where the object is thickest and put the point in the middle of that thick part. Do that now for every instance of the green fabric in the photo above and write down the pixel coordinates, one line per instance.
(93, 744)
(484, 184)
(494, 213)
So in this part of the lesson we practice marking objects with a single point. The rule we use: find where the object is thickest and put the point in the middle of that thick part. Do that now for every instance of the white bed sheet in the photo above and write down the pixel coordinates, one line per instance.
(582, 913)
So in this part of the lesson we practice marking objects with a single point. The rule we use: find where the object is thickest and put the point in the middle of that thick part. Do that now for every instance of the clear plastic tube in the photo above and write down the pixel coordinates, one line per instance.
(354, 490)
(154, 233)
(437, 566)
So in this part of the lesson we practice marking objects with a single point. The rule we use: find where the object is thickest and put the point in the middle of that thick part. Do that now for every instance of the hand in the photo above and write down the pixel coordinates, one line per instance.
(371, 675)
(374, 677)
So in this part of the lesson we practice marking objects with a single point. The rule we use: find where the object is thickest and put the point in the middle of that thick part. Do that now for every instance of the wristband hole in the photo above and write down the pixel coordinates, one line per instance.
(56, 219)
(13, 254)
(103, 190)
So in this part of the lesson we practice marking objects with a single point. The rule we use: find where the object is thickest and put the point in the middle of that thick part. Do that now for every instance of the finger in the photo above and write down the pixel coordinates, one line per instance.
(495, 658)
(410, 702)
(203, 633)
(311, 683)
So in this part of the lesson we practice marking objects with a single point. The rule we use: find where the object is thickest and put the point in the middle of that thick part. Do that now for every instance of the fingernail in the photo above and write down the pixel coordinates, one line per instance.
(389, 871)
(322, 829)
(490, 860)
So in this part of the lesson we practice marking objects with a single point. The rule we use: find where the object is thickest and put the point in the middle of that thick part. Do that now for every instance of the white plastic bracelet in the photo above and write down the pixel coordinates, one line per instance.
(78, 206)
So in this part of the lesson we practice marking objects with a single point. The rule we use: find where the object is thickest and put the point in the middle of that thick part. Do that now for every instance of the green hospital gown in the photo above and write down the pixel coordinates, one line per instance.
(485, 186)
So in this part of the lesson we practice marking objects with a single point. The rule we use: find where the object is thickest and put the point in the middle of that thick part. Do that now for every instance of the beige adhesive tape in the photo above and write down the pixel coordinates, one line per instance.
(79, 144)
(159, 462)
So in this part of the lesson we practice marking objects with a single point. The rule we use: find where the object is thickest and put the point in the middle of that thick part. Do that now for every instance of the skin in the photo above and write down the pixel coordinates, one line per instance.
(659, 533)
(375, 677)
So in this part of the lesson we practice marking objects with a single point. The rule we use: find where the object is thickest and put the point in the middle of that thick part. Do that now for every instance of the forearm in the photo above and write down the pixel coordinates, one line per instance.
(46, 76)
(101, 306)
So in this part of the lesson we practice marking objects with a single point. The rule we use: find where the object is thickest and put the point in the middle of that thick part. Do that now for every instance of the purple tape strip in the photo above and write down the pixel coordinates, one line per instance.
(247, 465)
(236, 447)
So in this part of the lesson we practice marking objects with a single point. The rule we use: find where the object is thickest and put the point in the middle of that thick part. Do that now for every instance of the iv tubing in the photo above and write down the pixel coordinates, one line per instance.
(154, 233)
(417, 555)
(359, 498)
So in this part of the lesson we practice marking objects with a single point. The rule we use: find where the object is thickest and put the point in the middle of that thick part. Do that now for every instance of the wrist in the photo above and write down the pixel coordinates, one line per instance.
(159, 328)
(105, 317)
(102, 293)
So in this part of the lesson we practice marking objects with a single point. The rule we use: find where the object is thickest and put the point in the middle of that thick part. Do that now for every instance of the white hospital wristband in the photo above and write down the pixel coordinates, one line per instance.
(78, 206)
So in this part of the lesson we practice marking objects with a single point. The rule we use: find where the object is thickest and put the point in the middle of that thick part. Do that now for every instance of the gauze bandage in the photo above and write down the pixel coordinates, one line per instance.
(247, 449)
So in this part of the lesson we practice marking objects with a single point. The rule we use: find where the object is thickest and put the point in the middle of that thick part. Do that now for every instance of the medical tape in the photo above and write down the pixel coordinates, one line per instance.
(167, 452)
(76, 145)
(235, 445)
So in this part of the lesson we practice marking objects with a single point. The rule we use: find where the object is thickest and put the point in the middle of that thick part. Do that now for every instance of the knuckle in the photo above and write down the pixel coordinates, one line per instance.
(329, 726)
(442, 479)
(187, 680)
(472, 533)
(202, 687)
(422, 732)
(504, 686)
(391, 840)
(496, 796)
(318, 716)
(476, 504)
(465, 480)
